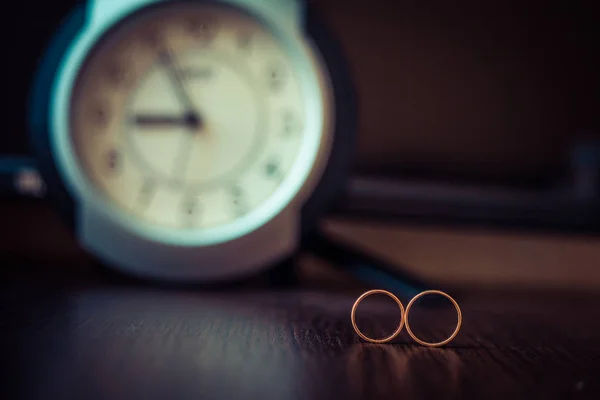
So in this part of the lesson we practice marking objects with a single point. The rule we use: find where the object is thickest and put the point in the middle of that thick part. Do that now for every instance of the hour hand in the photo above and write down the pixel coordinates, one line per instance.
(165, 121)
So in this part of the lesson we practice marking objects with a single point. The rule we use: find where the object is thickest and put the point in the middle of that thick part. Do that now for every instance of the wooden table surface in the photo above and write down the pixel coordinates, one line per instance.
(102, 339)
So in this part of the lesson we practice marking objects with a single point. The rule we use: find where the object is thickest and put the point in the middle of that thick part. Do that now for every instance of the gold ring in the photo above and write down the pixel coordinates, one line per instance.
(438, 344)
(353, 316)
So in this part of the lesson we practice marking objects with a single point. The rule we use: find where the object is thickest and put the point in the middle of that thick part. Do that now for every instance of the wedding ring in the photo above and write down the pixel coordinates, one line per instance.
(353, 316)
(438, 344)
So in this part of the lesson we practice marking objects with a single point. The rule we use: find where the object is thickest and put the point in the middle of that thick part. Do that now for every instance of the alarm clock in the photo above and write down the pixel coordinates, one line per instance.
(192, 141)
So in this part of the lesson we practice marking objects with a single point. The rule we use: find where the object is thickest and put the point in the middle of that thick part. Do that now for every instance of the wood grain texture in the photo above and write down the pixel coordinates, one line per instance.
(95, 338)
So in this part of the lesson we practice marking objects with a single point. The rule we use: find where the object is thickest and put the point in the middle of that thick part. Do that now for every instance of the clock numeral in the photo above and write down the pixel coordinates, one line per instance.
(236, 191)
(113, 159)
(99, 115)
(118, 76)
(273, 170)
(240, 206)
(276, 78)
(190, 209)
(244, 41)
(190, 205)
(154, 39)
(147, 192)
(203, 30)
(290, 124)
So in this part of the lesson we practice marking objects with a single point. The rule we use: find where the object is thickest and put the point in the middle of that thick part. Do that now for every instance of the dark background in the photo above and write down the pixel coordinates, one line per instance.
(494, 91)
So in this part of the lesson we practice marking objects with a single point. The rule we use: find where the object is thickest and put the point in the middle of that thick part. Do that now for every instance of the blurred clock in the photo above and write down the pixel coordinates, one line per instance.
(192, 140)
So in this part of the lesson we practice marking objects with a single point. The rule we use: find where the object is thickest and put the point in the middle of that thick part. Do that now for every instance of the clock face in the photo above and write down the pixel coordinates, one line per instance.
(187, 116)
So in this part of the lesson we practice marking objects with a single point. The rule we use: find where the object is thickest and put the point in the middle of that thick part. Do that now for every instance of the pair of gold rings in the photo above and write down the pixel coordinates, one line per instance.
(404, 317)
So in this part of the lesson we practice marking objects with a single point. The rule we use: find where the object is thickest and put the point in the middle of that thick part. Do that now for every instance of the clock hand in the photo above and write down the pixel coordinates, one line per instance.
(174, 73)
(192, 115)
(157, 121)
(183, 157)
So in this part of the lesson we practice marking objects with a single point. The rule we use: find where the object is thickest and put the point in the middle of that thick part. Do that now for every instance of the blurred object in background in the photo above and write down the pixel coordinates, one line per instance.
(480, 259)
(477, 91)
(478, 113)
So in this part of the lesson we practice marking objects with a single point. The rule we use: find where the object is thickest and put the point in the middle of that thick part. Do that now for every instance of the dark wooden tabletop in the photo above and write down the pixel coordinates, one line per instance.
(101, 339)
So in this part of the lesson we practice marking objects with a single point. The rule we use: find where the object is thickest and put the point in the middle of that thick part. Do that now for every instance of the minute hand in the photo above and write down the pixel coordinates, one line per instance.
(175, 77)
